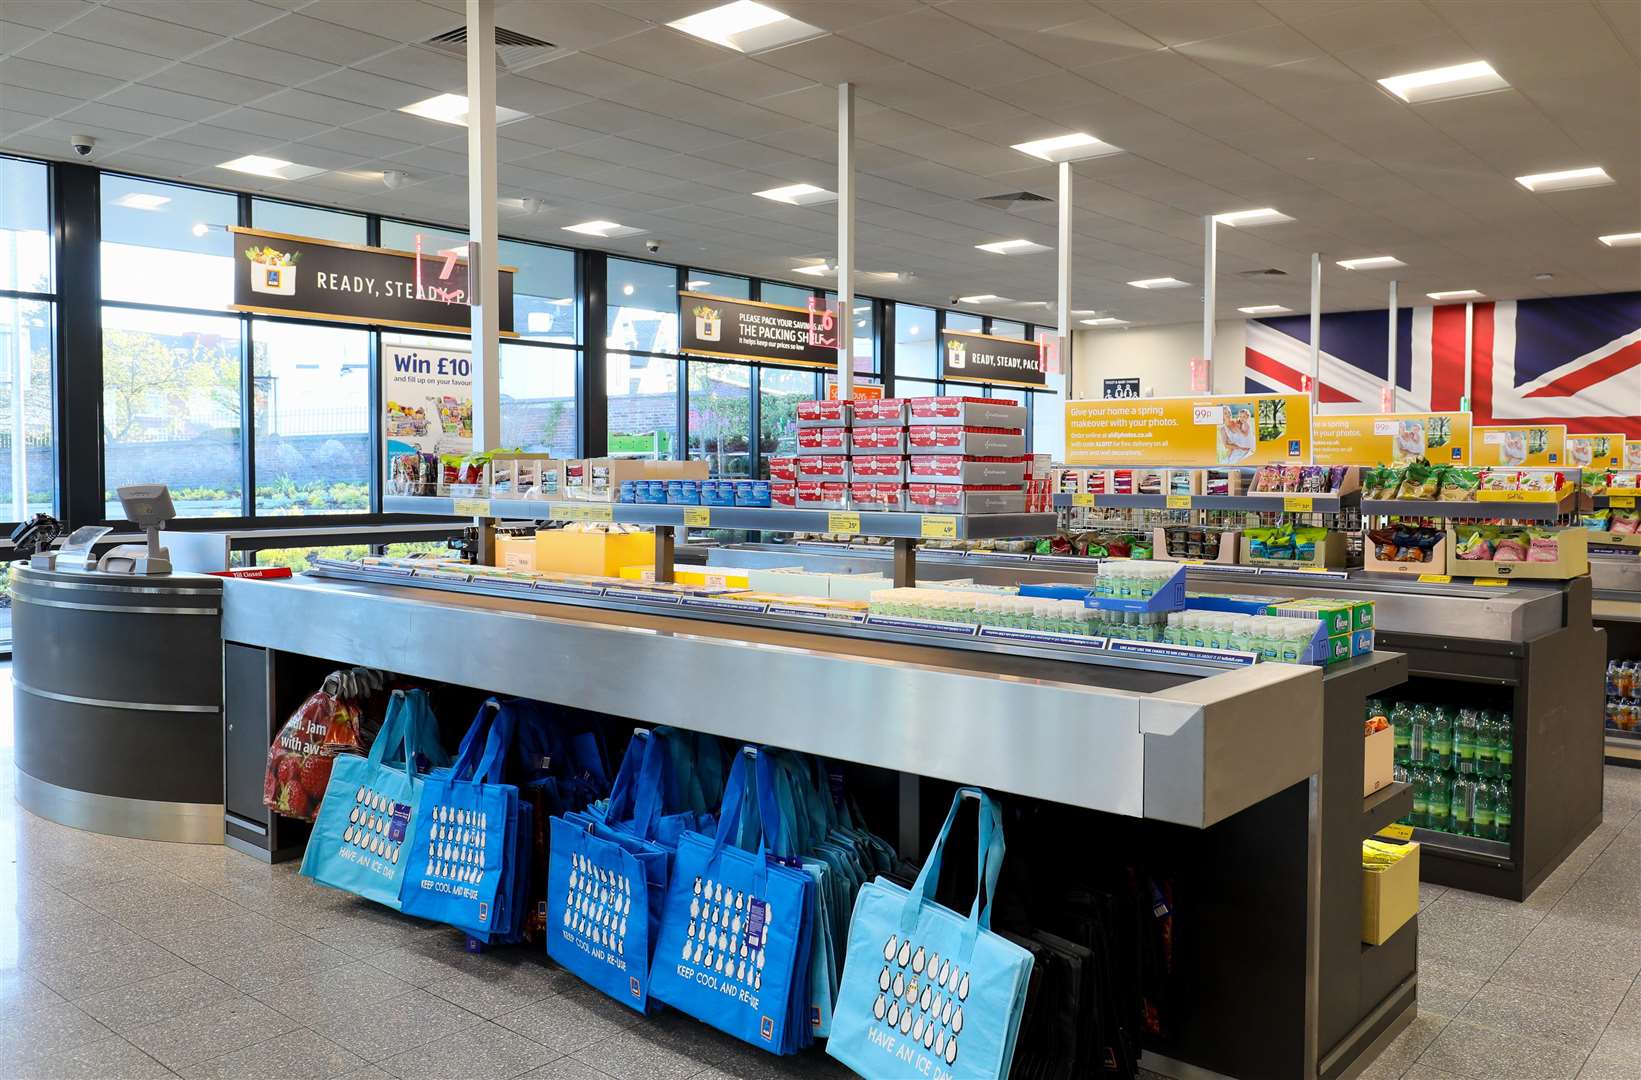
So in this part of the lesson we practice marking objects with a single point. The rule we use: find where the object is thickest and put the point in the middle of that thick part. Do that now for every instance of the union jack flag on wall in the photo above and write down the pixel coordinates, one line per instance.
(1573, 360)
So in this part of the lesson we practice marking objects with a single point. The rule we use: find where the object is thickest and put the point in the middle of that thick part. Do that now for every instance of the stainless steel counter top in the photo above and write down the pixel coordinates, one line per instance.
(1193, 752)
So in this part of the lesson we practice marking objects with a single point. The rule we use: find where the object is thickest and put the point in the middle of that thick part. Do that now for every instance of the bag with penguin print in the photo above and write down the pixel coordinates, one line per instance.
(736, 932)
(607, 880)
(361, 840)
(465, 835)
(927, 991)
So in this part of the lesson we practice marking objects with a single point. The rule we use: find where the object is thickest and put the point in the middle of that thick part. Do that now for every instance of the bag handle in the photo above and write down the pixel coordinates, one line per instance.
(622, 791)
(397, 730)
(777, 838)
(729, 814)
(475, 741)
(988, 862)
(503, 727)
(636, 797)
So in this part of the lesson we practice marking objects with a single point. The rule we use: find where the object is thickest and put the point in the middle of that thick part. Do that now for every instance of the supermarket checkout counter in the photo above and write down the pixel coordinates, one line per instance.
(1529, 648)
(1221, 767)
(117, 701)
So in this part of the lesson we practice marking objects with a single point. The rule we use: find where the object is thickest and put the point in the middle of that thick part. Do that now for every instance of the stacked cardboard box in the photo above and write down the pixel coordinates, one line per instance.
(966, 455)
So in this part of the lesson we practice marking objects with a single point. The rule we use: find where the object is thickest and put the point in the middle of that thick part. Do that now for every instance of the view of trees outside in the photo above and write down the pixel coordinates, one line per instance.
(779, 391)
(312, 398)
(26, 449)
(720, 417)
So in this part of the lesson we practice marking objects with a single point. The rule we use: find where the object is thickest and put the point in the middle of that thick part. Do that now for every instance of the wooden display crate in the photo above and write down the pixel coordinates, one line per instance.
(1573, 549)
(1229, 547)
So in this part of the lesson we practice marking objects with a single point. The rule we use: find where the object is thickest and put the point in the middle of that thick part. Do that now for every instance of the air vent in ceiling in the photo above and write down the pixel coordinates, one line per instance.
(1268, 272)
(1014, 199)
(515, 51)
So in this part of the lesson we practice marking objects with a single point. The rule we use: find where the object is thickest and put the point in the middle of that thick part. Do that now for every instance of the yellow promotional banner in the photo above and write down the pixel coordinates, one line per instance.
(1239, 429)
(1391, 438)
(1525, 446)
(1632, 454)
(1595, 451)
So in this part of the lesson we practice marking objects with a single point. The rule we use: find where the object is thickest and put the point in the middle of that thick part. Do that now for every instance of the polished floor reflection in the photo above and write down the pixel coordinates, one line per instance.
(130, 959)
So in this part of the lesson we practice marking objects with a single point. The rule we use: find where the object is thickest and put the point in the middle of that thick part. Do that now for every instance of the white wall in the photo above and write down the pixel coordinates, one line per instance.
(1160, 356)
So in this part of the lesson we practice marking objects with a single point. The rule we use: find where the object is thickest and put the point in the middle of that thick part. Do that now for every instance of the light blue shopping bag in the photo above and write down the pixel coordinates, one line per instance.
(927, 991)
(360, 839)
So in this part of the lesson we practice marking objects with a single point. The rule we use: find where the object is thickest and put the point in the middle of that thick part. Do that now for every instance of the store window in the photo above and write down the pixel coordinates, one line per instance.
(730, 285)
(773, 292)
(1048, 414)
(642, 303)
(642, 406)
(544, 307)
(274, 216)
(311, 394)
(402, 236)
(25, 227)
(720, 417)
(916, 353)
(1005, 328)
(171, 408)
(779, 391)
(26, 446)
(167, 244)
(860, 326)
(962, 320)
(538, 399)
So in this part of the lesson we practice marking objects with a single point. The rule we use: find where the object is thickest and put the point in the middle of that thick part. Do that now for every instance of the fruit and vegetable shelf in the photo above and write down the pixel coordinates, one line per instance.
(895, 524)
(1254, 503)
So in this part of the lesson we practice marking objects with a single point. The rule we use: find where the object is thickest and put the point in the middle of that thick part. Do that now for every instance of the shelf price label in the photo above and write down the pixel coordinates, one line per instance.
(1297, 504)
(837, 521)
(1397, 832)
(1623, 502)
(1436, 579)
(1179, 502)
(1518, 496)
(939, 527)
(698, 517)
(472, 507)
(1488, 581)
(1082, 498)
(582, 511)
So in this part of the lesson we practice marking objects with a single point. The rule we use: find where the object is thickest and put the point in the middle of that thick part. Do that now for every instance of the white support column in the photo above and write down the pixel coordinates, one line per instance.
(481, 223)
(1469, 359)
(1316, 330)
(1063, 292)
(1390, 352)
(1210, 268)
(846, 241)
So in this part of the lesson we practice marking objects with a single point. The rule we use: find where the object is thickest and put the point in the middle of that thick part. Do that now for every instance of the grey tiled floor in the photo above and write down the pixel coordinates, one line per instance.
(131, 959)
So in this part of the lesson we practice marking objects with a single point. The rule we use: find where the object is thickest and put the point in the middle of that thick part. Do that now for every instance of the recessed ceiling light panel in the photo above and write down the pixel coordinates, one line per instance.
(1159, 283)
(1077, 146)
(819, 269)
(1265, 309)
(452, 109)
(1372, 262)
(272, 167)
(1459, 80)
(1013, 247)
(1243, 218)
(1623, 239)
(1566, 179)
(604, 230)
(746, 27)
(1456, 294)
(1105, 321)
(982, 298)
(798, 195)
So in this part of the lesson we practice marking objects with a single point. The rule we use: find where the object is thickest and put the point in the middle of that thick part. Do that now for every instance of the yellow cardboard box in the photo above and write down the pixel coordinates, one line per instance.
(1378, 760)
(516, 552)
(598, 553)
(1390, 897)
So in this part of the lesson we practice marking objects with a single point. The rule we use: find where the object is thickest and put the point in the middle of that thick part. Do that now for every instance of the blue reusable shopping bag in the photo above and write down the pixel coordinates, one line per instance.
(359, 840)
(927, 991)
(607, 879)
(465, 834)
(735, 935)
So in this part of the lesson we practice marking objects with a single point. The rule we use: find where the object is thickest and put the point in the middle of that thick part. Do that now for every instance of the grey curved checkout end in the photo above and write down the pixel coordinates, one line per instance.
(117, 701)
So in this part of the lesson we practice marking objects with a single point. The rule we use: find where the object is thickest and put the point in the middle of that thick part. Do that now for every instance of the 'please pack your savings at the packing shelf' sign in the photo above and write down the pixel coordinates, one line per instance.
(982, 358)
(278, 274)
(751, 330)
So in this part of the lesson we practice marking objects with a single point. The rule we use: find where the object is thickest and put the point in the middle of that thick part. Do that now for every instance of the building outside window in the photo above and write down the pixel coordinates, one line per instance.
(779, 392)
(311, 396)
(28, 313)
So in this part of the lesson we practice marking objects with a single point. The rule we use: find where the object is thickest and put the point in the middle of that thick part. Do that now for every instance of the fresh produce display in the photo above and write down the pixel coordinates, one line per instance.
(1460, 762)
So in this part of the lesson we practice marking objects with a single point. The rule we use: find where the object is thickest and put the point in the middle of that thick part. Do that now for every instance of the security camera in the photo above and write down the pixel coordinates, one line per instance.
(953, 300)
(82, 144)
(392, 179)
(652, 246)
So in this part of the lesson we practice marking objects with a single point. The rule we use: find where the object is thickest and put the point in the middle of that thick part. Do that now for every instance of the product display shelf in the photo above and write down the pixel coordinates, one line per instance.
(905, 529)
(1216, 776)
(1252, 503)
(1386, 806)
(1513, 510)
(1610, 501)
(1617, 610)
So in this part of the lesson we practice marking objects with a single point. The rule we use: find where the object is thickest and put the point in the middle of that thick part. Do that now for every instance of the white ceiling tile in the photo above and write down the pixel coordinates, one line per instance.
(91, 56)
(45, 14)
(917, 32)
(20, 99)
(603, 116)
(364, 88)
(619, 151)
(1381, 22)
(996, 63)
(542, 132)
(535, 98)
(270, 124)
(13, 122)
(236, 142)
(433, 159)
(568, 24)
(152, 99)
(842, 15)
(402, 20)
(662, 50)
(320, 40)
(257, 62)
(411, 129)
(224, 86)
(1147, 71)
(14, 35)
(49, 78)
(829, 59)
(225, 17)
(320, 109)
(684, 137)
(744, 80)
(138, 123)
(1265, 47)
(352, 140)
(128, 30)
(1176, 22)
(420, 67)
(584, 73)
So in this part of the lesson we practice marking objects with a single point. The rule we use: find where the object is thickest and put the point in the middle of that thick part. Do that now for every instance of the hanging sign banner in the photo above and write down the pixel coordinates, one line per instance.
(427, 401)
(1241, 429)
(981, 358)
(1391, 438)
(751, 330)
(1517, 445)
(279, 274)
(1595, 451)
(1120, 388)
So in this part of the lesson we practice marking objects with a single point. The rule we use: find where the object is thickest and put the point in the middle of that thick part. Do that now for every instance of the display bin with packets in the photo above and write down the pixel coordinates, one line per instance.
(1405, 547)
(1390, 888)
(1197, 544)
(1518, 551)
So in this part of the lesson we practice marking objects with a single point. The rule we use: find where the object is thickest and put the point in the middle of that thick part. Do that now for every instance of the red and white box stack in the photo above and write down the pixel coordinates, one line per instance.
(877, 455)
(966, 456)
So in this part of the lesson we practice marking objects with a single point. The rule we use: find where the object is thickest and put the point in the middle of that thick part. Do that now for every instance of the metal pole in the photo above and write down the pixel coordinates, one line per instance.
(1390, 351)
(1469, 360)
(1210, 267)
(1063, 293)
(846, 241)
(1316, 329)
(482, 283)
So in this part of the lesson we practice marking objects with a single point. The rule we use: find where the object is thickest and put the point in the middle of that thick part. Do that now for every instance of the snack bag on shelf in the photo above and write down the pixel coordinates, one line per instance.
(1475, 546)
(1336, 476)
(1542, 546)
(1314, 479)
(1268, 478)
(1596, 521)
(1500, 480)
(1626, 521)
(1510, 546)
(1541, 480)
(1459, 484)
(1595, 481)
(1419, 481)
